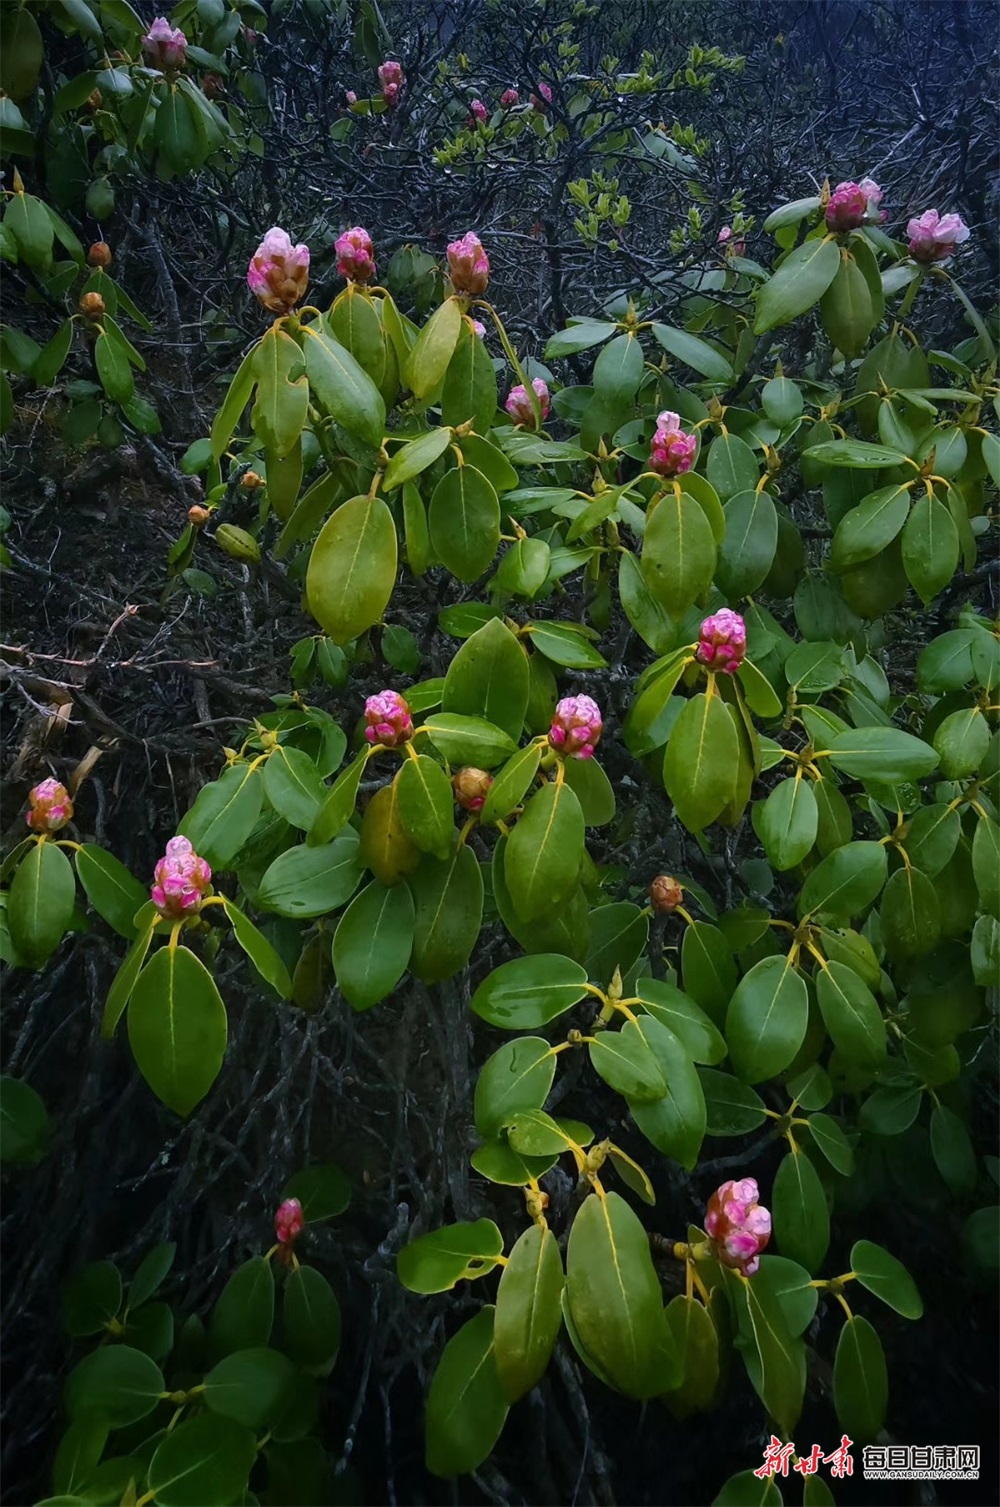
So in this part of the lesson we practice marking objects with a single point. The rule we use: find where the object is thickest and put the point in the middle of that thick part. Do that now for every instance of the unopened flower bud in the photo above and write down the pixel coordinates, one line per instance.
(545, 91)
(509, 98)
(350, 97)
(279, 272)
(391, 78)
(181, 881)
(51, 807)
(213, 86)
(289, 1221)
(91, 304)
(355, 255)
(468, 265)
(933, 237)
(198, 516)
(95, 99)
(250, 481)
(388, 718)
(164, 45)
(471, 787)
(738, 1225)
(665, 894)
(722, 642)
(671, 451)
(99, 255)
(848, 207)
(576, 727)
(518, 404)
(479, 114)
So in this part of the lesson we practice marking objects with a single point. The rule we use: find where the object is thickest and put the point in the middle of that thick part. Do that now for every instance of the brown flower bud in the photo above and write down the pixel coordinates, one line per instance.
(251, 481)
(213, 86)
(99, 255)
(666, 894)
(94, 100)
(471, 787)
(198, 516)
(92, 304)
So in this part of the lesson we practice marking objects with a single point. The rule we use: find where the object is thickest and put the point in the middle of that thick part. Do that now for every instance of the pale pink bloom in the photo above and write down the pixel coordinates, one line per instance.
(545, 90)
(51, 807)
(279, 272)
(722, 642)
(739, 1226)
(388, 718)
(480, 328)
(289, 1221)
(518, 404)
(390, 94)
(392, 78)
(725, 234)
(351, 97)
(180, 881)
(933, 237)
(509, 98)
(732, 247)
(468, 265)
(871, 191)
(576, 727)
(848, 207)
(671, 451)
(355, 255)
(164, 45)
(480, 115)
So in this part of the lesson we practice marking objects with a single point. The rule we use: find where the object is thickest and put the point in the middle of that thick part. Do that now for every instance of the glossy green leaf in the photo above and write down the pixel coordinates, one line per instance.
(428, 361)
(689, 1023)
(675, 1123)
(860, 1381)
(545, 850)
(694, 352)
(177, 1028)
(985, 863)
(426, 805)
(851, 1015)
(528, 1311)
(262, 954)
(846, 881)
(91, 1299)
(293, 786)
(696, 1341)
(678, 552)
(343, 386)
(304, 882)
(708, 968)
(352, 568)
(732, 1107)
(448, 913)
(626, 1063)
(470, 384)
(528, 992)
(699, 766)
(930, 547)
(372, 944)
(887, 1278)
(488, 678)
(466, 1407)
(120, 1383)
(338, 807)
(414, 457)
(224, 814)
(800, 1213)
(747, 551)
(618, 936)
(766, 1020)
(510, 784)
(953, 1151)
(244, 1314)
(469, 740)
(788, 822)
(40, 903)
(517, 1077)
(311, 1321)
(866, 530)
(910, 914)
(774, 1358)
(112, 890)
(798, 284)
(437, 1261)
(204, 1459)
(249, 1385)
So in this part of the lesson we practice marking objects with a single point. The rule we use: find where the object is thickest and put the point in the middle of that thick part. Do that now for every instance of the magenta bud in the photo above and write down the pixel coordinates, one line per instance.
(289, 1221)
(355, 255)
(934, 237)
(848, 206)
(51, 807)
(388, 718)
(738, 1224)
(468, 265)
(181, 881)
(722, 643)
(518, 404)
(278, 274)
(576, 727)
(164, 45)
(671, 451)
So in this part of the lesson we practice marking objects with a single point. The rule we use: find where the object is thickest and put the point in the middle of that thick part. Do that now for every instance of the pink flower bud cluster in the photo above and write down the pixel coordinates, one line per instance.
(738, 1225)
(518, 404)
(480, 328)
(672, 451)
(51, 807)
(180, 881)
(851, 204)
(289, 1221)
(543, 97)
(479, 114)
(576, 727)
(165, 46)
(468, 265)
(392, 79)
(388, 718)
(722, 642)
(278, 274)
(509, 98)
(351, 97)
(471, 787)
(355, 255)
(733, 245)
(933, 237)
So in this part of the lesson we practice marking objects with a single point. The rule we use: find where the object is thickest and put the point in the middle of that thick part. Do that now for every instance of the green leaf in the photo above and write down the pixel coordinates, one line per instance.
(499, 1162)
(767, 1018)
(352, 568)
(464, 522)
(625, 1062)
(22, 52)
(233, 404)
(40, 903)
(466, 1407)
(470, 384)
(528, 992)
(866, 530)
(121, 1384)
(618, 936)
(790, 1284)
(525, 567)
(860, 1381)
(847, 880)
(700, 764)
(581, 336)
(961, 741)
(516, 1078)
(953, 1151)
(788, 822)
(851, 1016)
(886, 1278)
(791, 214)
(649, 619)
(798, 284)
(708, 968)
(774, 1359)
(311, 1320)
(930, 547)
(224, 814)
(747, 551)
(847, 308)
(124, 980)
(618, 369)
(469, 740)
(426, 804)
(80, 1449)
(338, 808)
(243, 1317)
(510, 784)
(678, 552)
(565, 644)
(488, 678)
(545, 850)
(694, 352)
(528, 1311)
(910, 914)
(151, 1272)
(696, 1341)
(24, 1123)
(249, 1385)
(372, 945)
(985, 863)
(323, 1190)
(282, 402)
(413, 458)
(205, 1459)
(593, 790)
(732, 1107)
(177, 1028)
(259, 950)
(675, 1123)
(653, 713)
(51, 359)
(857, 454)
(304, 882)
(91, 1299)
(448, 911)
(881, 753)
(731, 467)
(800, 1212)
(534, 1133)
(746, 1489)
(293, 786)
(614, 1296)
(429, 359)
(343, 387)
(693, 1028)
(460, 1252)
